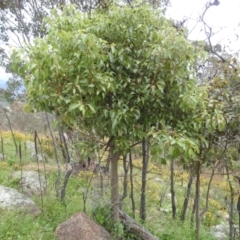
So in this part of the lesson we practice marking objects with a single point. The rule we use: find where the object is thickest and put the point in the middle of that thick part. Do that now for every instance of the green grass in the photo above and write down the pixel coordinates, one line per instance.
(177, 230)
(17, 225)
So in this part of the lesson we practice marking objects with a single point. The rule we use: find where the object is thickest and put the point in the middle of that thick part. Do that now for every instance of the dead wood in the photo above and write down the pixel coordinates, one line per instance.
(135, 228)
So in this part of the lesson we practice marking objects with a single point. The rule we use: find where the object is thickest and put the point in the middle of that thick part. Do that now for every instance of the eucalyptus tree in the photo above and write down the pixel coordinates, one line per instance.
(21, 20)
(220, 131)
(224, 89)
(126, 72)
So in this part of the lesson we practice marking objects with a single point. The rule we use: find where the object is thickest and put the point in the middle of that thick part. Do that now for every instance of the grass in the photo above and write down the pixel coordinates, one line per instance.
(177, 230)
(17, 225)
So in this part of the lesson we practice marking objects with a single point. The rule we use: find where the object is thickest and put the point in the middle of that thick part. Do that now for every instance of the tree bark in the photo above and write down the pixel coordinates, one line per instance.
(135, 228)
(125, 179)
(10, 127)
(208, 194)
(57, 182)
(65, 182)
(186, 200)
(193, 211)
(2, 148)
(174, 208)
(231, 229)
(114, 184)
(238, 209)
(145, 151)
(64, 146)
(197, 202)
(131, 183)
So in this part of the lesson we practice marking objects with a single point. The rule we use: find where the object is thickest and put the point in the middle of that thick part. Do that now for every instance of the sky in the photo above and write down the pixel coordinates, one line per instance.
(224, 20)
(3, 78)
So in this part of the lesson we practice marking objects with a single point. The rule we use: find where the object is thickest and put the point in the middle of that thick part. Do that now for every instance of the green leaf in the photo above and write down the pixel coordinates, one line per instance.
(111, 57)
(74, 106)
(82, 46)
(91, 108)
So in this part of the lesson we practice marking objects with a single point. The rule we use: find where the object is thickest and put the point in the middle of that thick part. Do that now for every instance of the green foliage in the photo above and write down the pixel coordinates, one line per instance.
(183, 231)
(21, 226)
(18, 225)
(101, 214)
(121, 71)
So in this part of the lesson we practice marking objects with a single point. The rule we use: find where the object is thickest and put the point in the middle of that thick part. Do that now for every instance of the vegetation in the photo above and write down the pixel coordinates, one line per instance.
(117, 79)
(18, 225)
(122, 87)
(159, 219)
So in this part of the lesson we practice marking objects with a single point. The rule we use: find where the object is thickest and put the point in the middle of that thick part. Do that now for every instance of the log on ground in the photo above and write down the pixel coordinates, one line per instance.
(135, 228)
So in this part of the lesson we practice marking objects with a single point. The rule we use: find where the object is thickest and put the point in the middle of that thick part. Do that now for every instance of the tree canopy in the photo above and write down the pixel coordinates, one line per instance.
(111, 70)
(126, 72)
(130, 75)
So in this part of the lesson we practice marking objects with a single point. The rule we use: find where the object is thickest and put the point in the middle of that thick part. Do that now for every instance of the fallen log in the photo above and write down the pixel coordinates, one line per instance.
(135, 228)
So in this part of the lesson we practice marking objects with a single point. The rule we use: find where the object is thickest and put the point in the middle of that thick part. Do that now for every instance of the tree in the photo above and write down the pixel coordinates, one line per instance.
(124, 72)
(21, 21)
(220, 73)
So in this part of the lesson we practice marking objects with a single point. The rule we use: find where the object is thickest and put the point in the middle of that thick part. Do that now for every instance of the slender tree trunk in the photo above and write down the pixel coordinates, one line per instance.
(57, 183)
(125, 179)
(65, 182)
(39, 175)
(114, 183)
(145, 151)
(174, 208)
(238, 208)
(64, 146)
(208, 194)
(238, 205)
(10, 127)
(2, 148)
(193, 211)
(131, 183)
(186, 200)
(21, 164)
(197, 202)
(108, 163)
(41, 150)
(231, 229)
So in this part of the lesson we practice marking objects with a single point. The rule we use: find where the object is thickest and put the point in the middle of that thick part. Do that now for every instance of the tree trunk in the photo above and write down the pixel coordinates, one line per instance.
(174, 208)
(131, 183)
(114, 184)
(125, 179)
(197, 202)
(57, 182)
(10, 127)
(238, 208)
(186, 200)
(208, 194)
(65, 182)
(145, 151)
(2, 148)
(193, 211)
(231, 229)
(64, 146)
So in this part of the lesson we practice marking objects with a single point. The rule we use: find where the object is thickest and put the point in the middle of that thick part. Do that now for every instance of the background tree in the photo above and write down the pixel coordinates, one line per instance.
(219, 72)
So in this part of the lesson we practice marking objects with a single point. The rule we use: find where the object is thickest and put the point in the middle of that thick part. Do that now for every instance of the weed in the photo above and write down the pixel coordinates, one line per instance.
(182, 231)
